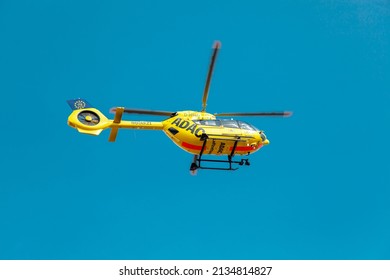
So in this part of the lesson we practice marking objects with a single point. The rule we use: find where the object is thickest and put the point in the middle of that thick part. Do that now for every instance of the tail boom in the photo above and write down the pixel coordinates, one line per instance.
(91, 121)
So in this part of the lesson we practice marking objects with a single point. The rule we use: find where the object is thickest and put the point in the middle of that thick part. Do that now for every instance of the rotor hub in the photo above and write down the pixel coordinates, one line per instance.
(88, 118)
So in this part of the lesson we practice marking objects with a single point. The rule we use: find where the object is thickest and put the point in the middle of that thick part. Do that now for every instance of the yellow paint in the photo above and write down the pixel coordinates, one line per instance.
(183, 129)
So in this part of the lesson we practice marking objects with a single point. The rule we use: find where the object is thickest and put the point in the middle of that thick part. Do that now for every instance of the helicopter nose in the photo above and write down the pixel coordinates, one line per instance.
(264, 139)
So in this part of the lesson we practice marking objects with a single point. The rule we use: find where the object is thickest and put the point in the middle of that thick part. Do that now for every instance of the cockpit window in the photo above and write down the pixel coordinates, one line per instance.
(208, 122)
(227, 123)
(262, 135)
(246, 126)
(230, 123)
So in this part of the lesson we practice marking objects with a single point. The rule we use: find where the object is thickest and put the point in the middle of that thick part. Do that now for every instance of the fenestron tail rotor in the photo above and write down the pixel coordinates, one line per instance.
(88, 118)
(216, 47)
(256, 114)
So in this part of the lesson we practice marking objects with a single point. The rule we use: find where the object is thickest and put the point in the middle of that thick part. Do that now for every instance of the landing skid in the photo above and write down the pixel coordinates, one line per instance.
(198, 160)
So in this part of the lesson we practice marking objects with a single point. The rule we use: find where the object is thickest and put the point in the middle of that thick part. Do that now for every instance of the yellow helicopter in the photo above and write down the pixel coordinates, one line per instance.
(199, 133)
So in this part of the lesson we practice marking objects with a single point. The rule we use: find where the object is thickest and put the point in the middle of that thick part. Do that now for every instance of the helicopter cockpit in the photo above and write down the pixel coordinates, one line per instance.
(247, 126)
(232, 124)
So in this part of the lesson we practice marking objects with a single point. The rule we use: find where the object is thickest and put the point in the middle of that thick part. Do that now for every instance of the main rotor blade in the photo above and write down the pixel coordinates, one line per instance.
(216, 47)
(256, 114)
(144, 112)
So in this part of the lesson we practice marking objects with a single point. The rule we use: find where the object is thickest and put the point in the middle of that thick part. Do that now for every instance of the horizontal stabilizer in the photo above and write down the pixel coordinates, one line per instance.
(117, 120)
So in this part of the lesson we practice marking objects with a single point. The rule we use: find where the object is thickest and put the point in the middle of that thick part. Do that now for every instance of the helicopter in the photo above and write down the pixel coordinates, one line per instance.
(196, 132)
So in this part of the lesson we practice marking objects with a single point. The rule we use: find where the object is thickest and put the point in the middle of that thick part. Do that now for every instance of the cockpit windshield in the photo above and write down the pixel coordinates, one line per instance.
(246, 126)
(263, 137)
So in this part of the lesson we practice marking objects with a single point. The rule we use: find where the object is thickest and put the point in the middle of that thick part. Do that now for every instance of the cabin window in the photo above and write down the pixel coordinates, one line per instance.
(230, 123)
(208, 122)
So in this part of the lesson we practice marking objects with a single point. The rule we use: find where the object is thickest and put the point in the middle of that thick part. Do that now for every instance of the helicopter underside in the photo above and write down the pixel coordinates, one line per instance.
(206, 143)
(220, 147)
(199, 160)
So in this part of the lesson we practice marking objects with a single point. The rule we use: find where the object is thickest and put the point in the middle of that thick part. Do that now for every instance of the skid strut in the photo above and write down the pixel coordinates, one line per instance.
(197, 162)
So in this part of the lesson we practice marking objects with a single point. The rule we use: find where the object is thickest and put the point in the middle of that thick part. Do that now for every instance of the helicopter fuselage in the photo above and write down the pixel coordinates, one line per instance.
(192, 131)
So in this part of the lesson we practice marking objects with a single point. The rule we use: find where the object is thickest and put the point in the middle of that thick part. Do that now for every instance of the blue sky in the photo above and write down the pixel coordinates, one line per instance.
(320, 190)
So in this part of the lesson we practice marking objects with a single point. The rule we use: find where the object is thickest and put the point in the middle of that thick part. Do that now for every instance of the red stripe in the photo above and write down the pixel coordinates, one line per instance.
(242, 149)
(245, 149)
(190, 146)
